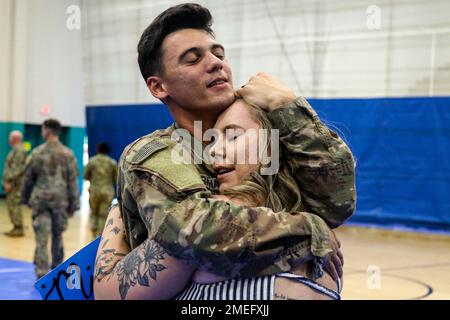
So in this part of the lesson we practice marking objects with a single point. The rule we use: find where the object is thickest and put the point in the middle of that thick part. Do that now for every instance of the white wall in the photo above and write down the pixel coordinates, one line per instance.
(5, 58)
(319, 48)
(41, 64)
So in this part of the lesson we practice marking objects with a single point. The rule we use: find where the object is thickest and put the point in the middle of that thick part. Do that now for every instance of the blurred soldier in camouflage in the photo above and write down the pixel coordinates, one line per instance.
(12, 182)
(50, 188)
(171, 204)
(101, 171)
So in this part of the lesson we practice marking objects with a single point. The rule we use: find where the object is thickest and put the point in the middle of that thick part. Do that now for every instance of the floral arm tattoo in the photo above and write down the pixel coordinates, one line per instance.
(139, 265)
(131, 268)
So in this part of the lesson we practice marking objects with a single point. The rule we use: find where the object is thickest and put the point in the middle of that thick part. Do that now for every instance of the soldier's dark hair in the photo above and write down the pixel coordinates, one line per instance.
(103, 148)
(53, 125)
(183, 16)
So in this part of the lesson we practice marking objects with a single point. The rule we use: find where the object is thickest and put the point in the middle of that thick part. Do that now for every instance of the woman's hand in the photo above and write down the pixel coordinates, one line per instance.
(7, 187)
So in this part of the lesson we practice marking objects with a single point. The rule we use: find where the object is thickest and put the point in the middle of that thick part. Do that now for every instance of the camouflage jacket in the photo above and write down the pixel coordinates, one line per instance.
(50, 178)
(101, 171)
(14, 167)
(321, 162)
(171, 202)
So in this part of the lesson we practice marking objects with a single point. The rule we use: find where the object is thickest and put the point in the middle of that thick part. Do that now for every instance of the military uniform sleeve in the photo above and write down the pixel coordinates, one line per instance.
(87, 171)
(5, 176)
(173, 207)
(114, 171)
(321, 162)
(29, 179)
(72, 183)
(16, 168)
(135, 229)
(237, 241)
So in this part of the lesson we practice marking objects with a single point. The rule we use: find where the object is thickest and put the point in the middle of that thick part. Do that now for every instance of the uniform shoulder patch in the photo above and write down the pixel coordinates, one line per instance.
(154, 154)
(147, 150)
(181, 176)
(145, 146)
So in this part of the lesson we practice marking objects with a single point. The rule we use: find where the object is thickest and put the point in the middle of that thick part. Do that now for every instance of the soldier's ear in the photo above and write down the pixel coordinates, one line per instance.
(157, 87)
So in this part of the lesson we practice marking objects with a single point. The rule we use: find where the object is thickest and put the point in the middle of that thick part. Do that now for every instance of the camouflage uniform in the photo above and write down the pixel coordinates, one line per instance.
(172, 204)
(50, 188)
(13, 174)
(101, 171)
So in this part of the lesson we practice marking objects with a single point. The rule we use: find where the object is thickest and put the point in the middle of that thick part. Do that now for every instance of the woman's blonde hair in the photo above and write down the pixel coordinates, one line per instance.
(279, 191)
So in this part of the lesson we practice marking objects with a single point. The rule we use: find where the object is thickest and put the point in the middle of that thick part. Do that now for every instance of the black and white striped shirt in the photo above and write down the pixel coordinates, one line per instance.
(258, 288)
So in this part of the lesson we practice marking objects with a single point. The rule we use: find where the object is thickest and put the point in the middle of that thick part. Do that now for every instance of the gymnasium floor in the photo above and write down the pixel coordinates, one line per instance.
(379, 264)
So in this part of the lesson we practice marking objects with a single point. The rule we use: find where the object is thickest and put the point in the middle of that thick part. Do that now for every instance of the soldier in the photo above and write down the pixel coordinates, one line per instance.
(50, 189)
(101, 171)
(12, 182)
(171, 204)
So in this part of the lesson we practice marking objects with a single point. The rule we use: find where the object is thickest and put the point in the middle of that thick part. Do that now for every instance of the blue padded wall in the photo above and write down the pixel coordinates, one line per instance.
(402, 148)
(121, 125)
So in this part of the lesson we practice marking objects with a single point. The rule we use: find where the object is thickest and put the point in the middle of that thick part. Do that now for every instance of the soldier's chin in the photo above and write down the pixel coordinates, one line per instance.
(225, 100)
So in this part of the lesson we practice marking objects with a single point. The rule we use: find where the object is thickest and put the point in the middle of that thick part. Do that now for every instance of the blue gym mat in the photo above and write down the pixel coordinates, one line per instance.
(17, 280)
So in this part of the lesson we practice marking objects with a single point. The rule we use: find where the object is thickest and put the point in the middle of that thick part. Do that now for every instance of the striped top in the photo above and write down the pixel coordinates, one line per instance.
(259, 288)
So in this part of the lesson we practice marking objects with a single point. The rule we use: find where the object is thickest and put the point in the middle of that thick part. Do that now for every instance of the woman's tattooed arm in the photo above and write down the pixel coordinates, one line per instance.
(146, 272)
(141, 265)
(113, 246)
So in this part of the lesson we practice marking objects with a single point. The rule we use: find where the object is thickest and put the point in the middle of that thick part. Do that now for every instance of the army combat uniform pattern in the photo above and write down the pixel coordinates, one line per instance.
(171, 203)
(50, 188)
(13, 174)
(101, 171)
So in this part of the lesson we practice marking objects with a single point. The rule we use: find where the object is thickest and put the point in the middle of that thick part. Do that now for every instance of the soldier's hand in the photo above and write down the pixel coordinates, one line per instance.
(7, 187)
(334, 261)
(266, 92)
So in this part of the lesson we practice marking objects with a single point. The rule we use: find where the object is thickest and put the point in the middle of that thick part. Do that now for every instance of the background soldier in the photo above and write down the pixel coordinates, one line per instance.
(50, 189)
(101, 171)
(12, 181)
